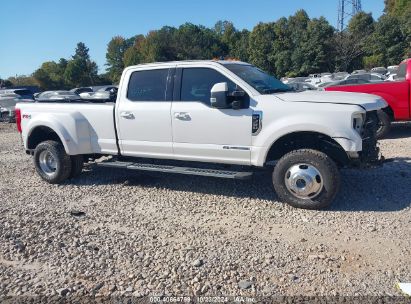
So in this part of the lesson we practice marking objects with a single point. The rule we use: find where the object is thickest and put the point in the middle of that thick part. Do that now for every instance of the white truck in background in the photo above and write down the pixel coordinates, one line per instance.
(203, 114)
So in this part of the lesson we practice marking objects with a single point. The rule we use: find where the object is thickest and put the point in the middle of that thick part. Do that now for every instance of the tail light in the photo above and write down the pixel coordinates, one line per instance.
(18, 119)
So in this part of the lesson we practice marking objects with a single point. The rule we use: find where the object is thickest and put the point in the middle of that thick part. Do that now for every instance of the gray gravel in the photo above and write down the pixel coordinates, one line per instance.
(113, 232)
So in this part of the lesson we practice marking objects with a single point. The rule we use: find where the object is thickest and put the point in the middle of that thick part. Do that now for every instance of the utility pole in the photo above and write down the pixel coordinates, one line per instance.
(346, 10)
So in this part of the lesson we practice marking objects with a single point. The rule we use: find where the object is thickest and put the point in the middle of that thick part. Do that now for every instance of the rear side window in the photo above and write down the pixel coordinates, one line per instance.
(197, 83)
(402, 71)
(148, 85)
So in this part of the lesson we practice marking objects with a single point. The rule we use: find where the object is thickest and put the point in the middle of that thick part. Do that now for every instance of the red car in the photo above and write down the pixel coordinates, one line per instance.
(396, 93)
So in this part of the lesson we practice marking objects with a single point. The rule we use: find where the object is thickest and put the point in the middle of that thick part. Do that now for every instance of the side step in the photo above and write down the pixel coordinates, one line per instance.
(178, 170)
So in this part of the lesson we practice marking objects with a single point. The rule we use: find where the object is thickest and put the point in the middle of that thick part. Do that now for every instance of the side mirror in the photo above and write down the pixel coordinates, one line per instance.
(219, 98)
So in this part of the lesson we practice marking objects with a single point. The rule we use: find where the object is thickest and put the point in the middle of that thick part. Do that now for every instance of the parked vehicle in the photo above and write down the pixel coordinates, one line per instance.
(57, 95)
(78, 91)
(370, 77)
(358, 72)
(302, 86)
(297, 79)
(340, 76)
(6, 115)
(101, 96)
(351, 81)
(379, 70)
(396, 93)
(109, 88)
(203, 116)
(393, 69)
(392, 77)
(7, 105)
(20, 93)
(314, 79)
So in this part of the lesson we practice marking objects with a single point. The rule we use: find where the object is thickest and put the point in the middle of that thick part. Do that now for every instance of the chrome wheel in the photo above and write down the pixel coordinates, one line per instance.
(304, 181)
(47, 162)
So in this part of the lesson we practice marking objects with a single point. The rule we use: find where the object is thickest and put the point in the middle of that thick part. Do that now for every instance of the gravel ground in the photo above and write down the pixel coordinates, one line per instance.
(111, 232)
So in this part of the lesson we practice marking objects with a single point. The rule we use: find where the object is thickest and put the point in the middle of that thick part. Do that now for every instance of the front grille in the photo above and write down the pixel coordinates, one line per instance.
(370, 150)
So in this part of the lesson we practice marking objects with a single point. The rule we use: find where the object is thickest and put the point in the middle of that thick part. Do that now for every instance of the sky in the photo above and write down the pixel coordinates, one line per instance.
(33, 32)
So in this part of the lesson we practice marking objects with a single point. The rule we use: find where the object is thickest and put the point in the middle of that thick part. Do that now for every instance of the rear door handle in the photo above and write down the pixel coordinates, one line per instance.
(182, 115)
(127, 115)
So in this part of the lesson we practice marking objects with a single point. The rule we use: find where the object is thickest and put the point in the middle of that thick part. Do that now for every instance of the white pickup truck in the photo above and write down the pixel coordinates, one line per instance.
(197, 117)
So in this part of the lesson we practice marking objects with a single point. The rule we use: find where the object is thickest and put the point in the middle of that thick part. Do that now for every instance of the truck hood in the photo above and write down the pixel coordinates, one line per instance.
(366, 101)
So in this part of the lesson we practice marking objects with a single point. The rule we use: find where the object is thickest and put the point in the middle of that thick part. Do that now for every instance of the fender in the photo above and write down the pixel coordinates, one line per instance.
(74, 134)
(302, 123)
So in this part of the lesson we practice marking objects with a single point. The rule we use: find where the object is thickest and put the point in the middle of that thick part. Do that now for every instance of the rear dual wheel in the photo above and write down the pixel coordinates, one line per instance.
(307, 179)
(54, 165)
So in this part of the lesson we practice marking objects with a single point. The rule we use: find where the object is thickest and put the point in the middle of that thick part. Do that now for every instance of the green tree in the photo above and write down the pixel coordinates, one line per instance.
(388, 40)
(115, 57)
(23, 80)
(80, 70)
(351, 45)
(50, 75)
(261, 45)
(132, 55)
(5, 83)
(397, 7)
(197, 42)
(317, 48)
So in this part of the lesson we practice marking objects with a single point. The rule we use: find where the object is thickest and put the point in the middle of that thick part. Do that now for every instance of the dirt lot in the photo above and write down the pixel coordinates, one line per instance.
(145, 234)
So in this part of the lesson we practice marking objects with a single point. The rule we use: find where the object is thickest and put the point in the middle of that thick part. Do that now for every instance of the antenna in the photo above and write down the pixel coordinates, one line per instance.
(346, 10)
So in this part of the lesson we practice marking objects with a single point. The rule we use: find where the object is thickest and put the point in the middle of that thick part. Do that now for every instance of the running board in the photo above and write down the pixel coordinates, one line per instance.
(178, 170)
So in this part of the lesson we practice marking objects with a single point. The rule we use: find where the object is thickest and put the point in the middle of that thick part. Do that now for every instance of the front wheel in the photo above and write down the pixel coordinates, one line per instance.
(52, 162)
(306, 179)
(384, 126)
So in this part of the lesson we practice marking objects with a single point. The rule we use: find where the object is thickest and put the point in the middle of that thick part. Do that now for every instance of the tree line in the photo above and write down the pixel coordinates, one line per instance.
(293, 46)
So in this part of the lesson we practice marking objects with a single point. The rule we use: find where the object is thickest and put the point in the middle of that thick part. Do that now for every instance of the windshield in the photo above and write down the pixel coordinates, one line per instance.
(259, 80)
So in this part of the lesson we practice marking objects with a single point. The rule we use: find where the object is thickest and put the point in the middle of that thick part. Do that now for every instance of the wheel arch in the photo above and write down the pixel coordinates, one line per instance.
(390, 112)
(307, 140)
(42, 133)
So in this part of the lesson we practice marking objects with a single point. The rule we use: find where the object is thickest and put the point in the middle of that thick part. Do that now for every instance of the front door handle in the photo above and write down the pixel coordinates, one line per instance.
(182, 116)
(127, 115)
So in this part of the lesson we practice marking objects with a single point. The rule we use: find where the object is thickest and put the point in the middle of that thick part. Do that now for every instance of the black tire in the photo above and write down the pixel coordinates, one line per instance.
(3, 117)
(61, 162)
(330, 178)
(77, 162)
(385, 124)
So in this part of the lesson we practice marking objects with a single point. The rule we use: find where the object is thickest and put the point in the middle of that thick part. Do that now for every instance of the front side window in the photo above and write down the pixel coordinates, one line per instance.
(259, 80)
(150, 85)
(197, 84)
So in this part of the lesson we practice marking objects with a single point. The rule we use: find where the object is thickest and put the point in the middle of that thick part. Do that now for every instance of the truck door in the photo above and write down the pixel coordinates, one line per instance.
(143, 114)
(203, 133)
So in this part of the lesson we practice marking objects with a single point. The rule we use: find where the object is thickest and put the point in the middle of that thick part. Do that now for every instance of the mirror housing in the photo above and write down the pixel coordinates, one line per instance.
(219, 98)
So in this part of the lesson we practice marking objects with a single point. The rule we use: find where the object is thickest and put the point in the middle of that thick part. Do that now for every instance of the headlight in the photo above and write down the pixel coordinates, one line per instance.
(358, 120)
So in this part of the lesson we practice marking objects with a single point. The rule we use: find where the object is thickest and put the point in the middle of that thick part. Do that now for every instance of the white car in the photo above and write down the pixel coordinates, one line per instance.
(216, 113)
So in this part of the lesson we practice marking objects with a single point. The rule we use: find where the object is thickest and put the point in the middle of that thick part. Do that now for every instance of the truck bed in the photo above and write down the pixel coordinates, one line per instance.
(83, 127)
